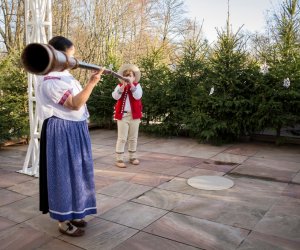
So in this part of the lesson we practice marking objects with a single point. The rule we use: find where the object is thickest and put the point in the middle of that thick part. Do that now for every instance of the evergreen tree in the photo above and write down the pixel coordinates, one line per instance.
(190, 72)
(223, 105)
(13, 99)
(154, 81)
(279, 95)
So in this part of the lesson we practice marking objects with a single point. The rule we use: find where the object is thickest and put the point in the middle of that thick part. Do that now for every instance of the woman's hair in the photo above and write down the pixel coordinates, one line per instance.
(60, 43)
(127, 72)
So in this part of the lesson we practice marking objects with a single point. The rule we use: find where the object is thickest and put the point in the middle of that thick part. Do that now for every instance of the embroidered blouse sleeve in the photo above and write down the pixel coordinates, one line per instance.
(57, 90)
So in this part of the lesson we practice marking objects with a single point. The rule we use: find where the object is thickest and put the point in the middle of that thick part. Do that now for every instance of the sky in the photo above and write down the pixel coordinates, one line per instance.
(213, 13)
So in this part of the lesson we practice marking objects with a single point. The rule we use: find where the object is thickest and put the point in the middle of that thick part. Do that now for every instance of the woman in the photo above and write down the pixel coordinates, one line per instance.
(128, 113)
(67, 189)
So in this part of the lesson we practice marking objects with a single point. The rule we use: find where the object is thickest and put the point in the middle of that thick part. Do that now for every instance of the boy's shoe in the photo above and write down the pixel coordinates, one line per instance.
(134, 161)
(120, 164)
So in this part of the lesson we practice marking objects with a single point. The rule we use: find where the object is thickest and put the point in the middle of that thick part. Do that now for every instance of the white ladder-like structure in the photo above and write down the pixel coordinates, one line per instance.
(38, 21)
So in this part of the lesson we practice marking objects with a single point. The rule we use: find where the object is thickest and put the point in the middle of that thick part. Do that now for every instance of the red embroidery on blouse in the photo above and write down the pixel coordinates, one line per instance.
(64, 97)
(51, 77)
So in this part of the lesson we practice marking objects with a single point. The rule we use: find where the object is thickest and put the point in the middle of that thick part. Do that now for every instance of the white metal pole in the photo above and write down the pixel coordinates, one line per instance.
(38, 23)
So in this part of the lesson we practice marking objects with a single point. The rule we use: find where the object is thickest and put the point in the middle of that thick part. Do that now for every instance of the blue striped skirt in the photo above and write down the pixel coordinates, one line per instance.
(70, 173)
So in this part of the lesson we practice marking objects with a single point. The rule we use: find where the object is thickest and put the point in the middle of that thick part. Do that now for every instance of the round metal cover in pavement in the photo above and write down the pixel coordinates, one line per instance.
(207, 182)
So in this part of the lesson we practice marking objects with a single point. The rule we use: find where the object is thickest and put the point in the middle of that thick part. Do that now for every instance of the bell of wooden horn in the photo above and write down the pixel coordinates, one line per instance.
(40, 59)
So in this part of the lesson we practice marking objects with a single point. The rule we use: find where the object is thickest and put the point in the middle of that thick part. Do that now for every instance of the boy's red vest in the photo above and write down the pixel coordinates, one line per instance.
(136, 105)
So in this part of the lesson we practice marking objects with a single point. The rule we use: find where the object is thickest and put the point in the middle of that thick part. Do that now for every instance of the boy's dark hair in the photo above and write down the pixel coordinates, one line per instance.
(60, 43)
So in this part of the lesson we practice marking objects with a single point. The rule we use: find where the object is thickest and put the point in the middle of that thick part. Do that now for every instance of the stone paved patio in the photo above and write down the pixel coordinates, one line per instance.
(151, 206)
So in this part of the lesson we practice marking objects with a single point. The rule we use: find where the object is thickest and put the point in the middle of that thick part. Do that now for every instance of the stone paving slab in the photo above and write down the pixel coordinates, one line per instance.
(109, 159)
(296, 178)
(11, 164)
(106, 203)
(101, 151)
(267, 168)
(8, 197)
(106, 142)
(133, 215)
(147, 241)
(12, 178)
(150, 179)
(245, 190)
(11, 156)
(244, 149)
(56, 244)
(167, 164)
(162, 199)
(267, 242)
(110, 167)
(5, 171)
(43, 223)
(5, 223)
(14, 152)
(21, 210)
(282, 153)
(197, 232)
(218, 166)
(292, 191)
(197, 172)
(28, 188)
(282, 220)
(124, 190)
(233, 213)
(225, 157)
(151, 206)
(21, 237)
(101, 234)
(101, 182)
(98, 166)
(117, 174)
(107, 133)
(182, 147)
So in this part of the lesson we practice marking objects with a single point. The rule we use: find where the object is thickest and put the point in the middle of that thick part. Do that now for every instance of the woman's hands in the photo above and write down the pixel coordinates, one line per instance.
(95, 76)
(76, 102)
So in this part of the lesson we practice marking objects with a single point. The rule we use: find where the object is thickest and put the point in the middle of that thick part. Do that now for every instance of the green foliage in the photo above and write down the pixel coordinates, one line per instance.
(13, 99)
(190, 72)
(177, 101)
(101, 103)
(279, 105)
(225, 114)
(154, 81)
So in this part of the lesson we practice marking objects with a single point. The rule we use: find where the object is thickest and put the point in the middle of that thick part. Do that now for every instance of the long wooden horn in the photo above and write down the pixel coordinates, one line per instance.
(41, 59)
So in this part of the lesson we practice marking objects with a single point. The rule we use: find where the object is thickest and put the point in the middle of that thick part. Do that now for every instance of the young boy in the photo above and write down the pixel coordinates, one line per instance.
(128, 113)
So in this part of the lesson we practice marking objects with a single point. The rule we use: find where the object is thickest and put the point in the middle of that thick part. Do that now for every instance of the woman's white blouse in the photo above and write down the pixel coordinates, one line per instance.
(51, 92)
